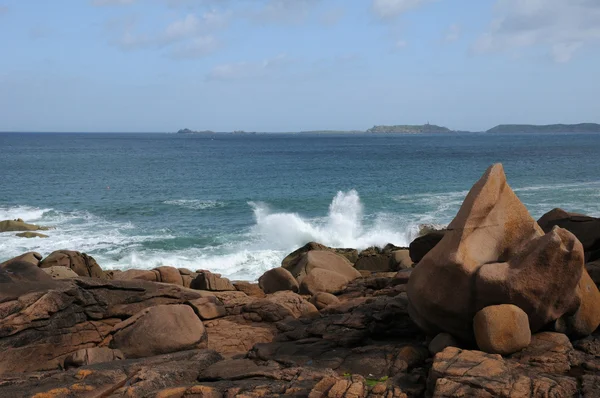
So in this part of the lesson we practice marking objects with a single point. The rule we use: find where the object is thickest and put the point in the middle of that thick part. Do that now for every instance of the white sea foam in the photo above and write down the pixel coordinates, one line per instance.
(195, 204)
(274, 234)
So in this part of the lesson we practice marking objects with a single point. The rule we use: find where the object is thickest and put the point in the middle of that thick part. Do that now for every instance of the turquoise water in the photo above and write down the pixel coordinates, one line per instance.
(238, 204)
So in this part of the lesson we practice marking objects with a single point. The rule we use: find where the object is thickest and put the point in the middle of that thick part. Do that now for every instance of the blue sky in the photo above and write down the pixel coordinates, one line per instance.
(291, 65)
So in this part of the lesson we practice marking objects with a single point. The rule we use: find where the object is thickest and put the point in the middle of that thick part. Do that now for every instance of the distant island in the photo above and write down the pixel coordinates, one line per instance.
(188, 131)
(410, 129)
(434, 129)
(548, 128)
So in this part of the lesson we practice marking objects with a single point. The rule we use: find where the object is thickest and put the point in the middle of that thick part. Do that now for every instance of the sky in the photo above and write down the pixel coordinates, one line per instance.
(296, 65)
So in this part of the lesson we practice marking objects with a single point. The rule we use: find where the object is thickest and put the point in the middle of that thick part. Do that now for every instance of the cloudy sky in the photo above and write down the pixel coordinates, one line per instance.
(290, 65)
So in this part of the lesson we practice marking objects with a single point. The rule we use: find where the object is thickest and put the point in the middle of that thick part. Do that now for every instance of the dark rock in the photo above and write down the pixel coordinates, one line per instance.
(585, 228)
(31, 235)
(419, 247)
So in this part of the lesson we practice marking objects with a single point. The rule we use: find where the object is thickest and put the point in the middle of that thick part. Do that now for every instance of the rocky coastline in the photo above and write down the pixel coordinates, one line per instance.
(495, 305)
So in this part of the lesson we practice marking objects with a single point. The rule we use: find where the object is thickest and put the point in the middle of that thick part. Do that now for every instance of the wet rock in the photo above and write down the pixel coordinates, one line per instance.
(501, 329)
(278, 279)
(80, 263)
(31, 235)
(19, 225)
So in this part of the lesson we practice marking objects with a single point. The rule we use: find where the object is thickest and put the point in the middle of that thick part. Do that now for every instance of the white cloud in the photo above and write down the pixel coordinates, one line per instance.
(389, 9)
(195, 48)
(112, 2)
(558, 27)
(284, 11)
(248, 70)
(452, 34)
(189, 37)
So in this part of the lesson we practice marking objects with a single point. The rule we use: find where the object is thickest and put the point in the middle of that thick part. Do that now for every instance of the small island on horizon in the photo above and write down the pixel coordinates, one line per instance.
(579, 128)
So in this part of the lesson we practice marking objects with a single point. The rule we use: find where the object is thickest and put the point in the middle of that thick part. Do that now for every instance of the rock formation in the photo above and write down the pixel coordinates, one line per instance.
(494, 252)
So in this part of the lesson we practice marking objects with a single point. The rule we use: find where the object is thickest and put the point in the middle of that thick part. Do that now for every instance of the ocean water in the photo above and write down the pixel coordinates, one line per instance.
(237, 204)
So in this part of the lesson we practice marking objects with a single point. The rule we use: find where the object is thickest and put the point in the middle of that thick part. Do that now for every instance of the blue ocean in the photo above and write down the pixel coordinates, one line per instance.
(237, 204)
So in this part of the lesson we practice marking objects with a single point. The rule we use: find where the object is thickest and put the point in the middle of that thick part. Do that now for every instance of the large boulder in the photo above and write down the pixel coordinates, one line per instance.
(323, 280)
(501, 329)
(58, 272)
(21, 271)
(375, 259)
(137, 274)
(277, 279)
(19, 225)
(324, 259)
(419, 247)
(159, 330)
(292, 259)
(80, 263)
(585, 228)
(495, 253)
(30, 257)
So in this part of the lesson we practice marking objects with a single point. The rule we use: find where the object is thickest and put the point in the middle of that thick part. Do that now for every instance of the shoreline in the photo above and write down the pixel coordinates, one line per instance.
(451, 315)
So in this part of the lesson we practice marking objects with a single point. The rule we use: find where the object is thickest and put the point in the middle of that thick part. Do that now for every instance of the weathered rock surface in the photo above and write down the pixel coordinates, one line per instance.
(585, 228)
(501, 329)
(277, 279)
(58, 272)
(19, 225)
(29, 257)
(442, 341)
(44, 320)
(137, 274)
(462, 373)
(161, 329)
(80, 263)
(206, 280)
(324, 259)
(494, 253)
(291, 260)
(323, 299)
(322, 280)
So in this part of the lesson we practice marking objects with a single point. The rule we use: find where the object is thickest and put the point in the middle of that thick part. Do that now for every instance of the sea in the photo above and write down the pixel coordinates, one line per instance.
(238, 204)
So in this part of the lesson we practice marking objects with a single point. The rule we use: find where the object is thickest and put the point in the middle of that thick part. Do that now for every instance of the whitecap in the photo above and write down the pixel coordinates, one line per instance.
(195, 204)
